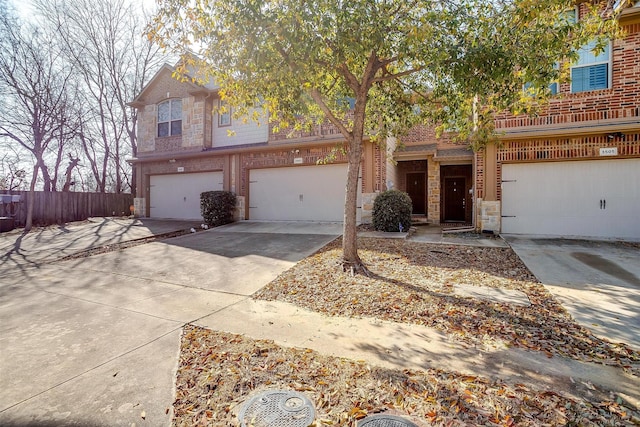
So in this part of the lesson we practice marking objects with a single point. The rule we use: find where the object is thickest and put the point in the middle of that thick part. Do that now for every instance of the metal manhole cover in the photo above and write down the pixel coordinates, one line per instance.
(384, 421)
(277, 408)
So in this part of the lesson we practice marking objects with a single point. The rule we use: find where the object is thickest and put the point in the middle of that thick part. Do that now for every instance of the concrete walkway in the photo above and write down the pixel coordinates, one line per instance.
(405, 346)
(95, 341)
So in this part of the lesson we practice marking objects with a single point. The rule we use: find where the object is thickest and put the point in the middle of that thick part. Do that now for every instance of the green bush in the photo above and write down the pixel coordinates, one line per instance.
(217, 207)
(392, 209)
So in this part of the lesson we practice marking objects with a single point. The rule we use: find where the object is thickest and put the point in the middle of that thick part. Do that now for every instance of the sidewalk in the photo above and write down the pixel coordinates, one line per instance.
(406, 346)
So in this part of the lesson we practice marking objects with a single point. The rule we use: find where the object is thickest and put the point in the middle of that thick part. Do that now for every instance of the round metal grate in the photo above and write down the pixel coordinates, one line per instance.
(277, 408)
(384, 421)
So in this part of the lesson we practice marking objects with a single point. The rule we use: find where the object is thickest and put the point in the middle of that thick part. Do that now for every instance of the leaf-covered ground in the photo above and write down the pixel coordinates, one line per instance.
(218, 372)
(413, 282)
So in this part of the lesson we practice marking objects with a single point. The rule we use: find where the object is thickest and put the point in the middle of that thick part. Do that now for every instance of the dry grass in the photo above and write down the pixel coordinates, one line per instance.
(413, 283)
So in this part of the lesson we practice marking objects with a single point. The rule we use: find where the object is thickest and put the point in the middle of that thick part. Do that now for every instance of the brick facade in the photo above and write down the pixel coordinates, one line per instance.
(618, 102)
(572, 127)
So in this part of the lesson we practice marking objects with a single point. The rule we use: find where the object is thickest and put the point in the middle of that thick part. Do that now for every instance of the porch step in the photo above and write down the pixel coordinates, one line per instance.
(457, 227)
(419, 220)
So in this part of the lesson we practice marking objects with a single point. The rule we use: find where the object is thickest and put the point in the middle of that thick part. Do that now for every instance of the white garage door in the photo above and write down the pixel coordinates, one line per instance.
(598, 198)
(178, 196)
(298, 193)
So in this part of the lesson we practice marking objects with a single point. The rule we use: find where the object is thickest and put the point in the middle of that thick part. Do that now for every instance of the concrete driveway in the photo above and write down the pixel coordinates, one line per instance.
(598, 282)
(95, 341)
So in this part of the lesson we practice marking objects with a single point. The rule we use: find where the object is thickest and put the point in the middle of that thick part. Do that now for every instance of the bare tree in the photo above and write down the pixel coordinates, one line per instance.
(12, 172)
(103, 41)
(33, 82)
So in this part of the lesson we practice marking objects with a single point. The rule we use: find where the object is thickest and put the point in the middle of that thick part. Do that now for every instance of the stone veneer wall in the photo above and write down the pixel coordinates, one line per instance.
(147, 128)
(367, 207)
(193, 122)
(489, 218)
(433, 191)
(239, 212)
(139, 207)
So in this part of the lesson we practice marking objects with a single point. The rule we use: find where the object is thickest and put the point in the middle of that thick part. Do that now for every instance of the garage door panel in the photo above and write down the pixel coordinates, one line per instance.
(177, 196)
(299, 193)
(564, 198)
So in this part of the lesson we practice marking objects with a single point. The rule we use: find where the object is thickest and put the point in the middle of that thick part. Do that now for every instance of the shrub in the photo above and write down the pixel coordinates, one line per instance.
(217, 207)
(392, 209)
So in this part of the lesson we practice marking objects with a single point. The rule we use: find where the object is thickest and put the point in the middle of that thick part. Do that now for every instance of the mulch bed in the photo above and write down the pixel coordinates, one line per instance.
(219, 372)
(413, 282)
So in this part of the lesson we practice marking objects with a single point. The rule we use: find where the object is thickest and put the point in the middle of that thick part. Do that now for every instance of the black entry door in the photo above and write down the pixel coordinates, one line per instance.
(454, 199)
(416, 186)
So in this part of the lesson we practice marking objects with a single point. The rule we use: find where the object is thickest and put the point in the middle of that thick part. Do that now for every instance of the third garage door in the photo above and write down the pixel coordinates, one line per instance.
(596, 198)
(298, 193)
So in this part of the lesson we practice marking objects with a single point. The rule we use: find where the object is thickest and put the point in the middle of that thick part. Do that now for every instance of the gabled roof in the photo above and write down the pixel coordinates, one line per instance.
(194, 87)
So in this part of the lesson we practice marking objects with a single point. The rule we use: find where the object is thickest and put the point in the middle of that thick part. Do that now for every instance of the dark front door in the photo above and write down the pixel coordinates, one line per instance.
(454, 199)
(416, 186)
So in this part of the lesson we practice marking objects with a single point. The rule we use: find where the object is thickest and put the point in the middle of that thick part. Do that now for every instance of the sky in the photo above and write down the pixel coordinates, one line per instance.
(25, 7)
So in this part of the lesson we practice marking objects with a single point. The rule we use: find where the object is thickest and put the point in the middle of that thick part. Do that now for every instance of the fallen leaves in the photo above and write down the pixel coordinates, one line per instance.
(219, 372)
(413, 283)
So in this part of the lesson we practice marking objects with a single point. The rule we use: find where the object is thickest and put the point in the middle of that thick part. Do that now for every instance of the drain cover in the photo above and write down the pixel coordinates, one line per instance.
(384, 421)
(277, 408)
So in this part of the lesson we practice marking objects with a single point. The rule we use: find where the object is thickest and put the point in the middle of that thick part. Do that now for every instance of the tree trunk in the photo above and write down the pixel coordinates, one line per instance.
(46, 178)
(72, 164)
(351, 260)
(28, 224)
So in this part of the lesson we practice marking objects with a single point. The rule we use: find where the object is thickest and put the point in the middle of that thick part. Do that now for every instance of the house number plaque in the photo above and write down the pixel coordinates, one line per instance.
(609, 151)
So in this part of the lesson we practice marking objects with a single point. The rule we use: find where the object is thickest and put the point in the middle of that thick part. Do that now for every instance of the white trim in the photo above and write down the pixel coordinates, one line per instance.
(170, 119)
(221, 115)
(609, 63)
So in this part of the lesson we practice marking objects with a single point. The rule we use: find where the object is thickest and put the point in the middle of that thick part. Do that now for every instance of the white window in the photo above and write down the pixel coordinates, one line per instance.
(593, 70)
(170, 117)
(224, 114)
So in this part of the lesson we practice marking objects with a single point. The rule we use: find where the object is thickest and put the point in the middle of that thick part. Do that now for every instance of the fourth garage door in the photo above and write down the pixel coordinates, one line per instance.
(596, 198)
(298, 193)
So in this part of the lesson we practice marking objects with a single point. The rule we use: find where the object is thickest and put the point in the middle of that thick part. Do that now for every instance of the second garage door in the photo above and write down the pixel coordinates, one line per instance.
(299, 193)
(598, 198)
(177, 196)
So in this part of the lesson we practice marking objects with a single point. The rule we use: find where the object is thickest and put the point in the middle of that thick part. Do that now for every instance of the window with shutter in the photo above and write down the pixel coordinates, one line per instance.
(592, 70)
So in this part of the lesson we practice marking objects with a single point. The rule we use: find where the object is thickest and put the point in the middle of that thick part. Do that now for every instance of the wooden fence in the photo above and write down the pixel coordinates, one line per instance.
(60, 207)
